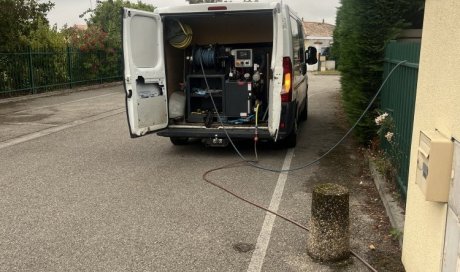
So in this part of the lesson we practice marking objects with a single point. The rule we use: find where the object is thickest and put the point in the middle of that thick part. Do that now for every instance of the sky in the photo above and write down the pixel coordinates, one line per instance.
(67, 11)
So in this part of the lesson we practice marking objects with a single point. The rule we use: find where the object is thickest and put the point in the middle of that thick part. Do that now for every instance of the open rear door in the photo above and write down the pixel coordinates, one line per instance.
(144, 72)
(276, 83)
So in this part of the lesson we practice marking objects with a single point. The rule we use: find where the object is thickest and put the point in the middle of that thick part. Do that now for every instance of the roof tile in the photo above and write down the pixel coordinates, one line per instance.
(318, 29)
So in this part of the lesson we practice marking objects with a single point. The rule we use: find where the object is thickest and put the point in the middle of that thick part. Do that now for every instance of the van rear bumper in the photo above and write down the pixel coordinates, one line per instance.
(288, 113)
(200, 132)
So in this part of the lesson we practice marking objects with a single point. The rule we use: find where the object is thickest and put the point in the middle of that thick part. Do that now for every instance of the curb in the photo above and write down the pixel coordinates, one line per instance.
(394, 212)
(58, 92)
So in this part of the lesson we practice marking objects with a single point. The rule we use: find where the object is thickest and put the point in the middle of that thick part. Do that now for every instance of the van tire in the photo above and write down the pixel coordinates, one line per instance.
(291, 140)
(304, 114)
(179, 140)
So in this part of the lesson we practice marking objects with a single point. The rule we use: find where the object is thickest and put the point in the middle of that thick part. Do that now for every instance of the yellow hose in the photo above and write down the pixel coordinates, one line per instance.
(257, 113)
(187, 30)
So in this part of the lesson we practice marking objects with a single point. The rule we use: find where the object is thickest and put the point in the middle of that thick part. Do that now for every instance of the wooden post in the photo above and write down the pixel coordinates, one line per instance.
(329, 236)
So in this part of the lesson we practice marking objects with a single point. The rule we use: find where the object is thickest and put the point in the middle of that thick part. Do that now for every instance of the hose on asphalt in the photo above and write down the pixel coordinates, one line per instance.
(253, 163)
(315, 160)
(297, 224)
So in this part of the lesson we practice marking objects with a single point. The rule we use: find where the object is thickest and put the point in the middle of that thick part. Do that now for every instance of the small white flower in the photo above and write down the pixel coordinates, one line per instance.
(389, 136)
(379, 119)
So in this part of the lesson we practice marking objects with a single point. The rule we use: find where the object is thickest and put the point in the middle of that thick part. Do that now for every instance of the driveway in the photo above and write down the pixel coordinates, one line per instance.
(78, 194)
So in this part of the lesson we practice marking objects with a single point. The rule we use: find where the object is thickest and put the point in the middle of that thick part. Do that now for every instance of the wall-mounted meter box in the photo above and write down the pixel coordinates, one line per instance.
(434, 165)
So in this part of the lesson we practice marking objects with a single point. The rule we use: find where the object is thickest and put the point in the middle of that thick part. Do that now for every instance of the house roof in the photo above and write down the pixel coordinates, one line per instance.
(80, 27)
(318, 29)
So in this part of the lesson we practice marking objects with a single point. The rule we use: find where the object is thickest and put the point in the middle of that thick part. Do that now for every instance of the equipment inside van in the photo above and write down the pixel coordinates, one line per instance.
(211, 70)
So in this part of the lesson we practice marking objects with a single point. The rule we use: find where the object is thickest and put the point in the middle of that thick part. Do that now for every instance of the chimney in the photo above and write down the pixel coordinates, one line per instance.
(323, 21)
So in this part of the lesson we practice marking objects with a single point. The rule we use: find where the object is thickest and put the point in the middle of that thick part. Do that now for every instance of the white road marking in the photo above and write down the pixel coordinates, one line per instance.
(30, 123)
(258, 255)
(51, 130)
(63, 103)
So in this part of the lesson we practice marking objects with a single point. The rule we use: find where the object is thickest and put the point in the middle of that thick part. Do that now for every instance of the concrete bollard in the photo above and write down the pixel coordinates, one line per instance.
(329, 236)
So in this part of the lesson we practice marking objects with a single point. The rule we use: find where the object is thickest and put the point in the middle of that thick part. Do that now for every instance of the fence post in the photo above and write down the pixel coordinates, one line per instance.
(100, 66)
(69, 65)
(31, 72)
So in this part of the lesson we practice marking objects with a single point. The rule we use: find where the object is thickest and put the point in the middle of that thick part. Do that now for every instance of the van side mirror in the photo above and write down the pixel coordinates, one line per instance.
(310, 55)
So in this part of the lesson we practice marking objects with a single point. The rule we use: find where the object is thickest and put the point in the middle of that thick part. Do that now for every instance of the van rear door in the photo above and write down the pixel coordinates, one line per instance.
(144, 72)
(276, 83)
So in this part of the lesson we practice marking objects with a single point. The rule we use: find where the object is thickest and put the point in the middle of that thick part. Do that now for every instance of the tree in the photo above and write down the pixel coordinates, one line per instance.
(107, 17)
(19, 19)
(87, 39)
(363, 28)
(47, 37)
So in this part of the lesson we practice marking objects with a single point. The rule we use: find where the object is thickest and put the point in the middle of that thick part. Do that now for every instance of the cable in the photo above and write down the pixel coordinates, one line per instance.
(320, 157)
(256, 133)
(240, 163)
(186, 34)
(292, 169)
(207, 56)
(218, 116)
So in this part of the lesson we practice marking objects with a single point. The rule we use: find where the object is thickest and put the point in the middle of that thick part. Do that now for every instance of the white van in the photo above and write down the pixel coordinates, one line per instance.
(204, 70)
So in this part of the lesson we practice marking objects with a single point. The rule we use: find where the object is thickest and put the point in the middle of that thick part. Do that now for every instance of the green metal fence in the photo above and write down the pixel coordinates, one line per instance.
(40, 70)
(398, 99)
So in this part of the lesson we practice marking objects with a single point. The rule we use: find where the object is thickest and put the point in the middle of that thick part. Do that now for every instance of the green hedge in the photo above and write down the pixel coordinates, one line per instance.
(363, 28)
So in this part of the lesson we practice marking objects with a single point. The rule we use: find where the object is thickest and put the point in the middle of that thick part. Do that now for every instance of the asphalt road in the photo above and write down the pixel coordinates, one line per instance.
(78, 194)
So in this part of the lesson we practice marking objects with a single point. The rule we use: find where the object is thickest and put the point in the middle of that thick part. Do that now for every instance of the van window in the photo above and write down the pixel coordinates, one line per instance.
(301, 42)
(297, 46)
(144, 48)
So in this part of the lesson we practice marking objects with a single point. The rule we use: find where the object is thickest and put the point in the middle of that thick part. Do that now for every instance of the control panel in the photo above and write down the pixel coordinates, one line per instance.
(243, 57)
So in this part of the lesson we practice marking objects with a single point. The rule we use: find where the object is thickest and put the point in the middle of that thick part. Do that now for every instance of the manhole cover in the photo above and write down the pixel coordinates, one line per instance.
(243, 247)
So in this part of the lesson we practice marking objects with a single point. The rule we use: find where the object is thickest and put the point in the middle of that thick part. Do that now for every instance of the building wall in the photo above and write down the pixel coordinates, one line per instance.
(318, 43)
(437, 107)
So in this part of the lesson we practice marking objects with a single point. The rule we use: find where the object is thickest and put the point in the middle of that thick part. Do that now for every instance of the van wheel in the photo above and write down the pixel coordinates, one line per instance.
(179, 140)
(291, 140)
(304, 114)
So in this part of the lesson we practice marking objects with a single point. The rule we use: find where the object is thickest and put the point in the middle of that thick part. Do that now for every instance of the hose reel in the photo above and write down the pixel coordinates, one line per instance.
(207, 56)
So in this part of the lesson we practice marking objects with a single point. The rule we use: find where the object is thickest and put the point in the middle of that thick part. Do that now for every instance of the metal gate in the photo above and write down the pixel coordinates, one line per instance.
(398, 99)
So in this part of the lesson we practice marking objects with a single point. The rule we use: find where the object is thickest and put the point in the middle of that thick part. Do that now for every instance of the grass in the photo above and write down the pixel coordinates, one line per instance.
(395, 234)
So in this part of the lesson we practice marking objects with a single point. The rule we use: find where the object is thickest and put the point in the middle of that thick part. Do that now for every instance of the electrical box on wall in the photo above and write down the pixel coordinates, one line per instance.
(434, 165)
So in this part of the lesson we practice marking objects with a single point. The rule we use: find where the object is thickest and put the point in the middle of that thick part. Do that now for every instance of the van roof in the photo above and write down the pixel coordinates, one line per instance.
(214, 7)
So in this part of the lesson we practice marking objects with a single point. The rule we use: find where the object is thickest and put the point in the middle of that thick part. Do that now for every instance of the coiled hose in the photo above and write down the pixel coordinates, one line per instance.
(184, 39)
(206, 56)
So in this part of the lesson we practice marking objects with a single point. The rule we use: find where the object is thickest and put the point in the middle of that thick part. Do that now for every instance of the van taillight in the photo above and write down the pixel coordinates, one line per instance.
(286, 93)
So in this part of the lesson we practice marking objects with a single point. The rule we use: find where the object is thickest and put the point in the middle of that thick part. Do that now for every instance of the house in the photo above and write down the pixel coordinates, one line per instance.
(319, 35)
(80, 27)
(432, 228)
